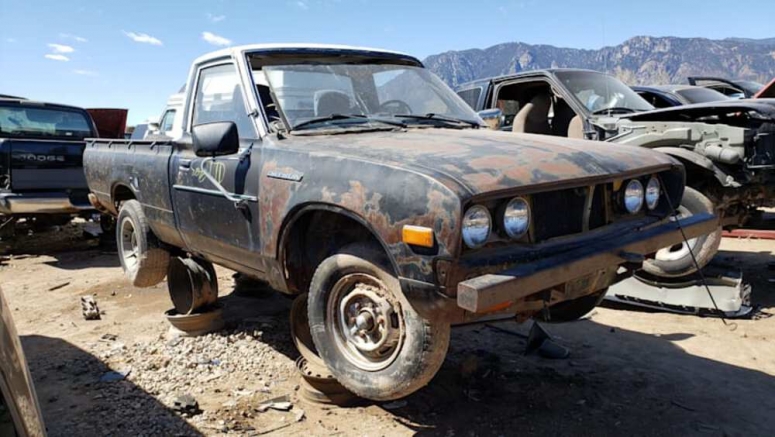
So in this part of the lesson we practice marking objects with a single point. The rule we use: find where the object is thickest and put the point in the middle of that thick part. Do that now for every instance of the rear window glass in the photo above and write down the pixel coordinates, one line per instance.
(24, 121)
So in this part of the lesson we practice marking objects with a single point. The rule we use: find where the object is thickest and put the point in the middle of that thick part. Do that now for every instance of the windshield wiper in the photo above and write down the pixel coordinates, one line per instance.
(334, 117)
(444, 118)
(612, 109)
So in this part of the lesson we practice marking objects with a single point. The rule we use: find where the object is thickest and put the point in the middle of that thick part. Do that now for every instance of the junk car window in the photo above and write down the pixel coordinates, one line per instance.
(471, 96)
(598, 91)
(20, 120)
(219, 98)
(701, 95)
(375, 93)
(167, 120)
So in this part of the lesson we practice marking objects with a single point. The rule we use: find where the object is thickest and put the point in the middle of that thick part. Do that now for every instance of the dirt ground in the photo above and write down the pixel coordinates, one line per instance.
(630, 372)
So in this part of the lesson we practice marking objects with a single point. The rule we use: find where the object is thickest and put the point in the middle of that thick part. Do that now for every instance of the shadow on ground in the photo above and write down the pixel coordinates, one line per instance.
(80, 409)
(627, 384)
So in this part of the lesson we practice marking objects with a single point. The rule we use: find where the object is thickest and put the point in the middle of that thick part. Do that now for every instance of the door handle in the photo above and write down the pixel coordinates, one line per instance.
(185, 164)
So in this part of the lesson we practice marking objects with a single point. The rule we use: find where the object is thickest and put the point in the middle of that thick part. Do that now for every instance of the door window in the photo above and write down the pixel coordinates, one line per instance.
(167, 120)
(219, 98)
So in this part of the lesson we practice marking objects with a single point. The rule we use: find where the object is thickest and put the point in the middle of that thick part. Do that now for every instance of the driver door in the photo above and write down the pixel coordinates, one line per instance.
(209, 222)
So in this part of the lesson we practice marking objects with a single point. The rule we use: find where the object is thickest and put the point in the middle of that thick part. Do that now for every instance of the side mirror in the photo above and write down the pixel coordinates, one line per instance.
(215, 139)
(492, 117)
(154, 126)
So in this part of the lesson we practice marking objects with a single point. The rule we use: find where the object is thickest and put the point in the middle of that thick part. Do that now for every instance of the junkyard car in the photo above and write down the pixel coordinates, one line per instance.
(171, 120)
(357, 176)
(41, 173)
(728, 147)
(666, 96)
(736, 89)
(19, 409)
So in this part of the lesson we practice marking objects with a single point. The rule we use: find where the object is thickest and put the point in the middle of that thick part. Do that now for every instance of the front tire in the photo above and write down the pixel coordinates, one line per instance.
(144, 262)
(369, 336)
(676, 261)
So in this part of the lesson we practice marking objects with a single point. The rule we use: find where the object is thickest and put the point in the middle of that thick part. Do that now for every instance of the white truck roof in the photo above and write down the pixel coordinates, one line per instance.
(239, 50)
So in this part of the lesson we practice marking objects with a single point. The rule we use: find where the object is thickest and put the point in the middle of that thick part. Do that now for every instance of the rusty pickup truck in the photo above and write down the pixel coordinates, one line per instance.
(356, 176)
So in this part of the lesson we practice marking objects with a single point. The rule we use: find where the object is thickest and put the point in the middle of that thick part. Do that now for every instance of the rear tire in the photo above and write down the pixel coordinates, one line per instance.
(369, 336)
(144, 262)
(676, 261)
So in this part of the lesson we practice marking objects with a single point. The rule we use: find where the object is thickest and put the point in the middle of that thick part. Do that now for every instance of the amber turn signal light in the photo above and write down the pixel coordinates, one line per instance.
(418, 236)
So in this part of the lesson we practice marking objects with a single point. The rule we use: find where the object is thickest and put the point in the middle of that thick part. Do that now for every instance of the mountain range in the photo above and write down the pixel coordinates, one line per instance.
(641, 60)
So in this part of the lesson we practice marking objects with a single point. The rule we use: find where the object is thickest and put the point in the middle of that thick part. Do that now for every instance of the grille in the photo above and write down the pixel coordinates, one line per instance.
(560, 213)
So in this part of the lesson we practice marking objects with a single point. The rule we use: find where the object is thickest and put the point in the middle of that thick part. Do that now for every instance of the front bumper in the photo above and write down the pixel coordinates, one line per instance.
(484, 293)
(41, 203)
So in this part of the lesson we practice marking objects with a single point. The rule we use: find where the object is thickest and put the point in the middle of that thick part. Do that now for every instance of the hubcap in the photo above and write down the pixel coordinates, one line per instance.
(366, 321)
(128, 245)
(681, 250)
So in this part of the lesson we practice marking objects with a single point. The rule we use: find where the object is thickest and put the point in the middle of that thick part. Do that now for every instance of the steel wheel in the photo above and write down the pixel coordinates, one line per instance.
(366, 320)
(678, 251)
(128, 245)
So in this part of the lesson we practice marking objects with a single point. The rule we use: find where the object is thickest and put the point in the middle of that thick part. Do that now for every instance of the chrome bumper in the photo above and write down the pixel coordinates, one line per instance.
(40, 203)
(482, 293)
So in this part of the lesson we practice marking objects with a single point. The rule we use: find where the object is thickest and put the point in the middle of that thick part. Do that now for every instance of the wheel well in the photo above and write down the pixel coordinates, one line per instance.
(313, 237)
(122, 193)
(700, 178)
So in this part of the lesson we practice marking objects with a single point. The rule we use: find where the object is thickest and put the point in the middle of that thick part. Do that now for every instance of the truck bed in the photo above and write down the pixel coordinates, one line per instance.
(132, 167)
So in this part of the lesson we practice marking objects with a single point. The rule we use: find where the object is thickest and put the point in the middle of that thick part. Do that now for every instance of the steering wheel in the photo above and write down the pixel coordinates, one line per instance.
(393, 107)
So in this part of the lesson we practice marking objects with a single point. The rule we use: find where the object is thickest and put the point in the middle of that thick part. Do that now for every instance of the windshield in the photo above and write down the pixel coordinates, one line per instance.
(701, 95)
(601, 93)
(21, 120)
(339, 96)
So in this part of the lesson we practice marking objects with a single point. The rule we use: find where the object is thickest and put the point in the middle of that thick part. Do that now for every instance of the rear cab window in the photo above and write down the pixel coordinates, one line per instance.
(25, 121)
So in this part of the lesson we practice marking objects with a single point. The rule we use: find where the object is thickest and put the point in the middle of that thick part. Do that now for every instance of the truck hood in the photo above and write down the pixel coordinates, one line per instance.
(483, 161)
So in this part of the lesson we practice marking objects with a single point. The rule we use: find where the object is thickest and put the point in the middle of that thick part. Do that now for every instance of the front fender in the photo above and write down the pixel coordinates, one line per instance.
(381, 196)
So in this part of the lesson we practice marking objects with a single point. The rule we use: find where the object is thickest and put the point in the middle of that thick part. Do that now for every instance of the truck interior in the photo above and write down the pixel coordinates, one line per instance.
(533, 107)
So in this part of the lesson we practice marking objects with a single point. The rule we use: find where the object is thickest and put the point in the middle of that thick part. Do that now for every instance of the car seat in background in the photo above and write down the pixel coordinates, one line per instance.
(533, 118)
(330, 102)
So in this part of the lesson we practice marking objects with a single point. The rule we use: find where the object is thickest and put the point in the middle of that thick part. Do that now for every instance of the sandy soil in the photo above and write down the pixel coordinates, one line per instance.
(631, 372)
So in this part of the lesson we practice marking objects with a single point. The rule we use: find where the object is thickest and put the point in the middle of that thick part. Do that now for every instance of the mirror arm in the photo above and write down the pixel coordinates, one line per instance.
(245, 153)
(239, 203)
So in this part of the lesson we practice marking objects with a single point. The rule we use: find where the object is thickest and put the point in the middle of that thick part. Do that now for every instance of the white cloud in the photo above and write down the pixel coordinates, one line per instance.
(215, 18)
(215, 40)
(143, 38)
(61, 48)
(73, 37)
(85, 72)
(302, 5)
(62, 58)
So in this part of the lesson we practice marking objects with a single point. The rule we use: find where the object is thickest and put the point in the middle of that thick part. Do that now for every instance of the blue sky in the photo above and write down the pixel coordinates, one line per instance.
(134, 54)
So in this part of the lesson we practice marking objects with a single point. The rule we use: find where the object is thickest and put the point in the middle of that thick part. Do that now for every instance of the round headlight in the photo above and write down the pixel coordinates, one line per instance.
(633, 196)
(516, 217)
(476, 226)
(653, 191)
